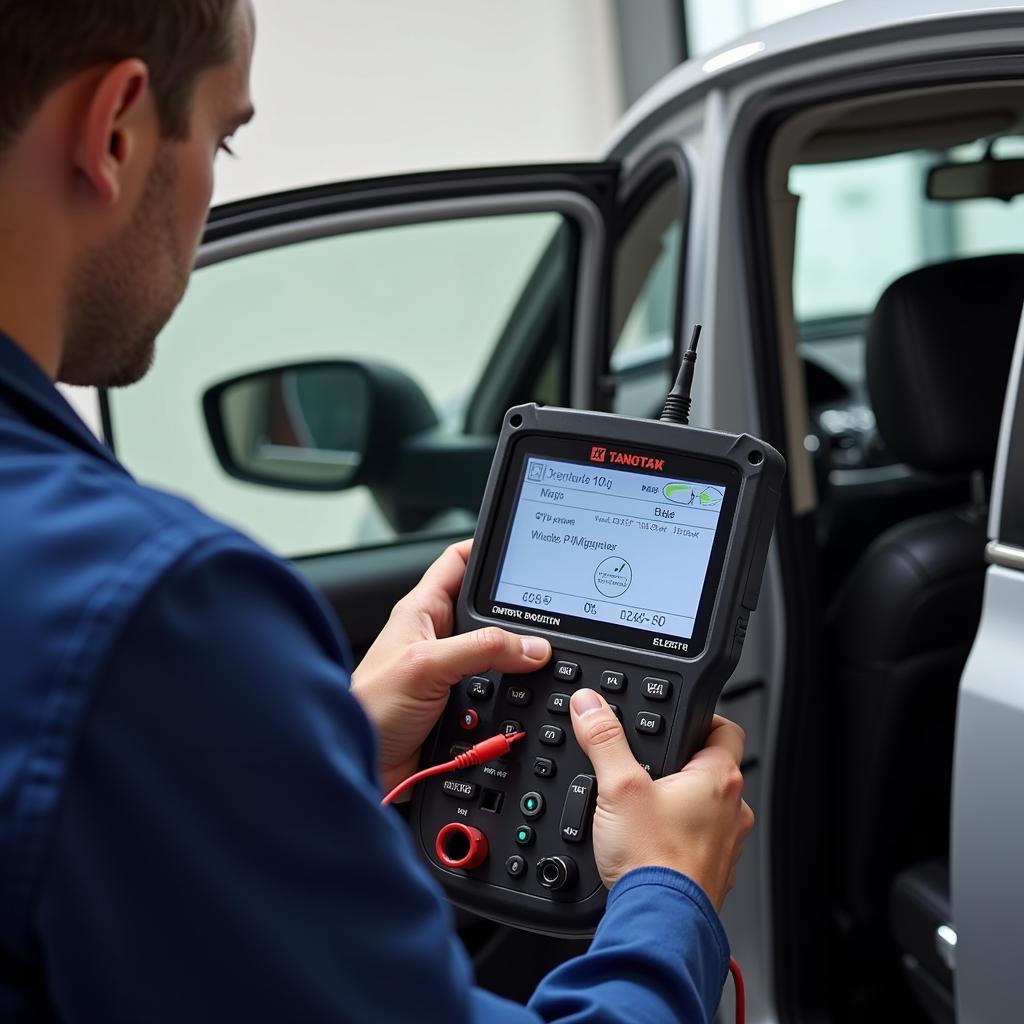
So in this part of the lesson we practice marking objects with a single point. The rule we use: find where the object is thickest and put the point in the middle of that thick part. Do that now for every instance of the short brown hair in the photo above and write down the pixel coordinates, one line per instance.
(45, 42)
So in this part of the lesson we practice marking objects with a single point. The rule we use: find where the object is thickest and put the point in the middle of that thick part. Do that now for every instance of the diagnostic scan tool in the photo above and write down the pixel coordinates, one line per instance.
(637, 548)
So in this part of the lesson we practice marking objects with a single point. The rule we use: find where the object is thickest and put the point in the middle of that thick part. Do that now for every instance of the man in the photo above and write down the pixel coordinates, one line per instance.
(190, 826)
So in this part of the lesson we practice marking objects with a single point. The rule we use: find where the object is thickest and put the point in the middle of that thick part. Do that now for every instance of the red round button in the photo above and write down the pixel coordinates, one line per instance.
(469, 719)
(461, 846)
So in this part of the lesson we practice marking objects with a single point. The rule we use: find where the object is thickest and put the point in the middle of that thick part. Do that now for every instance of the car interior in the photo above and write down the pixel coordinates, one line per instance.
(903, 381)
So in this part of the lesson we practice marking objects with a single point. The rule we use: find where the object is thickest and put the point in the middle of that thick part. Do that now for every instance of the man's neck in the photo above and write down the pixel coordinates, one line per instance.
(32, 275)
(21, 322)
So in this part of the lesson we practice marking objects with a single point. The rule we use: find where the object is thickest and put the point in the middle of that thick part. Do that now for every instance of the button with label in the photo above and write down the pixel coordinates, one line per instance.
(515, 865)
(469, 718)
(543, 767)
(567, 670)
(576, 809)
(657, 689)
(480, 688)
(613, 682)
(552, 735)
(509, 727)
(532, 805)
(558, 703)
(520, 696)
(525, 835)
(459, 789)
(649, 722)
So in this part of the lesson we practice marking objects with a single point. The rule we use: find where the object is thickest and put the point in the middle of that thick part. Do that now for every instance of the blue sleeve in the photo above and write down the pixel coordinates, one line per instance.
(221, 853)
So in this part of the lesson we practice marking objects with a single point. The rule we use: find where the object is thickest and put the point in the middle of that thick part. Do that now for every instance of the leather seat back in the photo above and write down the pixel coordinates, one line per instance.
(939, 345)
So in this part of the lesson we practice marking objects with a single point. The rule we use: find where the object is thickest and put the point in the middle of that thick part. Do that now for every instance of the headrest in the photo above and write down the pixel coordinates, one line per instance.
(939, 345)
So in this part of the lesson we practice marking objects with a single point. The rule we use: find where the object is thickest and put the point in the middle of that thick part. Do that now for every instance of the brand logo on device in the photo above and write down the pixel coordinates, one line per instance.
(598, 454)
(636, 461)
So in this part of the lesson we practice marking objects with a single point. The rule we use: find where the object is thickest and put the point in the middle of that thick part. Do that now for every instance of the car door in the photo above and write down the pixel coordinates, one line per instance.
(987, 827)
(485, 288)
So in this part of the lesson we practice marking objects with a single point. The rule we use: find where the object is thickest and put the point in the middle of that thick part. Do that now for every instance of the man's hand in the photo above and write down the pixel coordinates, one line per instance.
(403, 681)
(694, 821)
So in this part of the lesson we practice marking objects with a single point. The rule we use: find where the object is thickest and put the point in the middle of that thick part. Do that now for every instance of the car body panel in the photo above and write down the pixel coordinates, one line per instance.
(988, 831)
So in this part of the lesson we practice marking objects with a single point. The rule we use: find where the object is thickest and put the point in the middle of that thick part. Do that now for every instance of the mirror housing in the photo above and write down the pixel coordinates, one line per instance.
(336, 424)
(314, 426)
(987, 178)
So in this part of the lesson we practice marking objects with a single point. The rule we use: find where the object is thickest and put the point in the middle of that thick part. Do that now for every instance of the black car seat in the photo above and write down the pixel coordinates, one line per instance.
(939, 345)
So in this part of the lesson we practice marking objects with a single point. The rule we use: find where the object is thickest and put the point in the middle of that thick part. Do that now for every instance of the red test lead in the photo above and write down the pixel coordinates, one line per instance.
(480, 753)
(741, 995)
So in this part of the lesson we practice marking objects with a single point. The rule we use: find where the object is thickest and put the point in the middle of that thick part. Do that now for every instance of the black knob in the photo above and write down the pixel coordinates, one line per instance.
(556, 873)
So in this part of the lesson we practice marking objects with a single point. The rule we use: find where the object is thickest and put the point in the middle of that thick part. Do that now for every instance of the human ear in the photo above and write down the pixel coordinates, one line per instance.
(112, 128)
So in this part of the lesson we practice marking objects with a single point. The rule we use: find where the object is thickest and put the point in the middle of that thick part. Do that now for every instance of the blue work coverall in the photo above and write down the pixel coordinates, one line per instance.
(190, 826)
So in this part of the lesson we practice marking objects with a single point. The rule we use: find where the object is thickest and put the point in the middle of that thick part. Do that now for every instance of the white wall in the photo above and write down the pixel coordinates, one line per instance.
(713, 23)
(349, 88)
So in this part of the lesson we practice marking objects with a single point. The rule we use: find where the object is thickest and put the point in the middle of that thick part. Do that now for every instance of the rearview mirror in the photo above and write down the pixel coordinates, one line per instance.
(301, 427)
(982, 179)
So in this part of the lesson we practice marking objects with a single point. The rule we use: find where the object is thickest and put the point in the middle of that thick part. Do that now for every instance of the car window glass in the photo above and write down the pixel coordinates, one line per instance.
(430, 299)
(863, 223)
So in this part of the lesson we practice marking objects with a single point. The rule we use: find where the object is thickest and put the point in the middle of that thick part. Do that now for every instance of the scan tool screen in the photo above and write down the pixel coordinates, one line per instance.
(597, 546)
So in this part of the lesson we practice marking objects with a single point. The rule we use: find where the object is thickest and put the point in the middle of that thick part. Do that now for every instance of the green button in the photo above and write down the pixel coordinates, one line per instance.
(524, 835)
(531, 804)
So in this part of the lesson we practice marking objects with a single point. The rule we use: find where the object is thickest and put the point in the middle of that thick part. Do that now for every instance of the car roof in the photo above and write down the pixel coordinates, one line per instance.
(747, 55)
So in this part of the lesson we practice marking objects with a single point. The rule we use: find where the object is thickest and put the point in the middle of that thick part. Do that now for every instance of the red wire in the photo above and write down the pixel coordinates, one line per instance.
(741, 996)
(482, 752)
(499, 746)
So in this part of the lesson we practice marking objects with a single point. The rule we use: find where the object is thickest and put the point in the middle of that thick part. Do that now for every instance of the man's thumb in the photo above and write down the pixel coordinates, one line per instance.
(603, 741)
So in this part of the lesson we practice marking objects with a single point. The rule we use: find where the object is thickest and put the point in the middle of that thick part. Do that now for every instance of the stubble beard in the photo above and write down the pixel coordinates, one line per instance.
(123, 294)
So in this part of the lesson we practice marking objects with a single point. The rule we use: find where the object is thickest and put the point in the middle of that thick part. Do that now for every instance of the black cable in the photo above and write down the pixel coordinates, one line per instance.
(677, 405)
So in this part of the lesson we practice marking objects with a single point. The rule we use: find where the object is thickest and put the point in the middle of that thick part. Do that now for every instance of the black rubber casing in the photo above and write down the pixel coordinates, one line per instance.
(696, 680)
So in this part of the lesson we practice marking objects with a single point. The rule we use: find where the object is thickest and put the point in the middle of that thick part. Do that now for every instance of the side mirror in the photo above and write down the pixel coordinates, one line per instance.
(987, 178)
(333, 425)
(313, 426)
